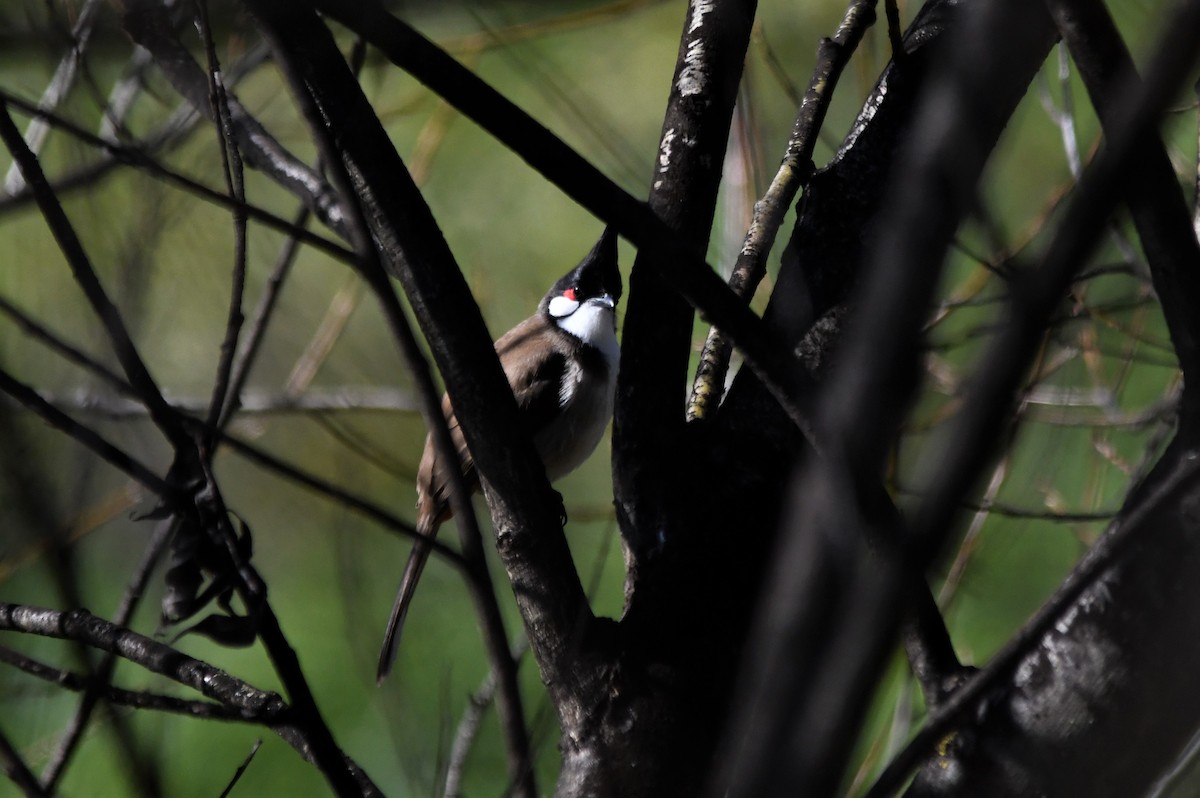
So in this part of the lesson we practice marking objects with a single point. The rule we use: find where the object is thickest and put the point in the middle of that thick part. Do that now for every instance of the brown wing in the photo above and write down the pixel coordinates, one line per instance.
(534, 379)
(534, 356)
(433, 481)
(534, 383)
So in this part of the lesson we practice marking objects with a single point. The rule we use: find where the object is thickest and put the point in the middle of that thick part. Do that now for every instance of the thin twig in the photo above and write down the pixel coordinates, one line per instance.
(81, 267)
(102, 674)
(1137, 110)
(315, 402)
(803, 694)
(17, 771)
(328, 331)
(237, 775)
(832, 57)
(140, 159)
(148, 23)
(1155, 197)
(327, 756)
(267, 303)
(233, 170)
(679, 265)
(469, 724)
(37, 331)
(56, 90)
(40, 404)
(1196, 182)
(895, 34)
(286, 32)
(85, 435)
(82, 626)
(116, 696)
(250, 702)
(237, 400)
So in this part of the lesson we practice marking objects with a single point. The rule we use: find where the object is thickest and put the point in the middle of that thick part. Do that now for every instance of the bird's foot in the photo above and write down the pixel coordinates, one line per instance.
(562, 508)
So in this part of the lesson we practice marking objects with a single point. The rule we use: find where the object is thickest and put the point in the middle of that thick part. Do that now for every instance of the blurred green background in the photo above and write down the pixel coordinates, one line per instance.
(597, 74)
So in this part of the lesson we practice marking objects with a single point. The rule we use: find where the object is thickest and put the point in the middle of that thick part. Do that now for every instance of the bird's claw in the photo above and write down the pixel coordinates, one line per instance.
(562, 508)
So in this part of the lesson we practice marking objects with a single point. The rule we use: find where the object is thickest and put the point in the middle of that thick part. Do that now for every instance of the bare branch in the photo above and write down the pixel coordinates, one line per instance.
(832, 56)
(148, 23)
(1139, 110)
(134, 699)
(648, 424)
(964, 446)
(681, 267)
(214, 519)
(808, 680)
(1099, 559)
(367, 508)
(530, 539)
(469, 724)
(1155, 197)
(86, 436)
(892, 9)
(56, 90)
(315, 401)
(1196, 184)
(81, 267)
(231, 166)
(49, 408)
(237, 400)
(250, 702)
(17, 771)
(139, 158)
(97, 686)
(237, 775)
(156, 657)
(312, 78)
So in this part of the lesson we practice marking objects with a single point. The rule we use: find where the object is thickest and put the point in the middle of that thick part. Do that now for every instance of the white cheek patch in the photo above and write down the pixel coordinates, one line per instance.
(593, 323)
(561, 306)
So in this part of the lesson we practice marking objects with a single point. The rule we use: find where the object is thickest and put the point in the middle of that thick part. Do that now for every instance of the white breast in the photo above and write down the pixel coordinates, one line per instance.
(594, 323)
(586, 398)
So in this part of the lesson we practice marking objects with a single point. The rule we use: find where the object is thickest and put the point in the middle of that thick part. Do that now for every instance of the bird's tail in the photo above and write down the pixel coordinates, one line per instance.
(404, 596)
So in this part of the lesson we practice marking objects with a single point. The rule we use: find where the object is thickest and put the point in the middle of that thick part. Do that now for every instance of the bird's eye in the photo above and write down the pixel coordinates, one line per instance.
(570, 294)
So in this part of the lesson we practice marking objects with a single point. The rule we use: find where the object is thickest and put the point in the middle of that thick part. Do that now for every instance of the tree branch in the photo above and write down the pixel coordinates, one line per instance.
(98, 686)
(681, 267)
(965, 444)
(56, 90)
(250, 702)
(656, 340)
(807, 686)
(140, 158)
(1155, 196)
(86, 436)
(148, 24)
(1087, 578)
(313, 67)
(233, 170)
(1084, 628)
(119, 338)
(832, 56)
(134, 699)
(17, 771)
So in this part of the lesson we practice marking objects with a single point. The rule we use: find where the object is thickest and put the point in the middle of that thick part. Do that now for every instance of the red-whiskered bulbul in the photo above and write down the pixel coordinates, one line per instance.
(561, 364)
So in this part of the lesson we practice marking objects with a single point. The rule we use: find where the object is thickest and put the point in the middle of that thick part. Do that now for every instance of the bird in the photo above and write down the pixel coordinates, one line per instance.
(561, 364)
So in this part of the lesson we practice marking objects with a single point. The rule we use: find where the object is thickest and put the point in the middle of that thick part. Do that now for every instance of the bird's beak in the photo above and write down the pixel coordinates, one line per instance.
(604, 299)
